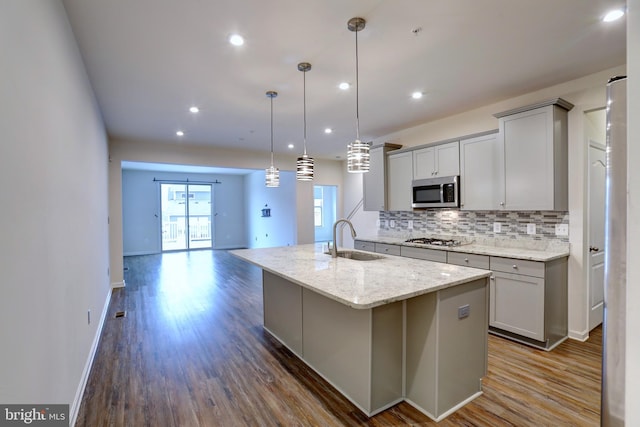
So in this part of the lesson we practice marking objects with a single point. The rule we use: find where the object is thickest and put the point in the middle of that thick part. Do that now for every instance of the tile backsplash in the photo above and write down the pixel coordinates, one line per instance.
(475, 225)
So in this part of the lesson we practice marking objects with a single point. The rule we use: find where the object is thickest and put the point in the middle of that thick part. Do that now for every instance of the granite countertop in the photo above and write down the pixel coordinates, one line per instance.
(496, 248)
(358, 284)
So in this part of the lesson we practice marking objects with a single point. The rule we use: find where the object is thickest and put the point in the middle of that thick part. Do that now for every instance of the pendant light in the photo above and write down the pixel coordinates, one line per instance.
(304, 164)
(272, 174)
(357, 151)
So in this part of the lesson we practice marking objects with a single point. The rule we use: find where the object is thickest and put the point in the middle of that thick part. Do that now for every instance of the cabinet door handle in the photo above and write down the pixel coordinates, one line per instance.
(492, 278)
(501, 203)
(515, 266)
(466, 260)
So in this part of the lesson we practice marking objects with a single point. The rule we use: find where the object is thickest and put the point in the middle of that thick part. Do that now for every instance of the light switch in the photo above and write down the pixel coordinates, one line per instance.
(392, 223)
(531, 229)
(497, 227)
(410, 224)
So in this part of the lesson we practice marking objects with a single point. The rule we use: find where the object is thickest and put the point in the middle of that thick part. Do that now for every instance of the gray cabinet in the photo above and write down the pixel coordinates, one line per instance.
(361, 245)
(399, 181)
(374, 182)
(438, 160)
(468, 260)
(482, 173)
(535, 155)
(384, 248)
(528, 301)
(423, 253)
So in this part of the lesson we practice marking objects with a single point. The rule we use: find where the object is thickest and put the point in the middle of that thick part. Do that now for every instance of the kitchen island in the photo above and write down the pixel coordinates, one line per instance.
(380, 331)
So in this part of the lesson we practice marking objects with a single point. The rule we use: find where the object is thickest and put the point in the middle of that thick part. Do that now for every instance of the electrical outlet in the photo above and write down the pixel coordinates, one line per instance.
(464, 311)
(562, 229)
(410, 224)
(497, 227)
(392, 223)
(531, 229)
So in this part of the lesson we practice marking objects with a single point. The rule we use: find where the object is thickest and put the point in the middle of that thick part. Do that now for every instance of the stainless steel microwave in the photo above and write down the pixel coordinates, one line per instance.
(441, 192)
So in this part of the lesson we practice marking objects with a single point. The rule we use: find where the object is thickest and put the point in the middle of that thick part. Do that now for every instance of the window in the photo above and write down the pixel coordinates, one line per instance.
(317, 207)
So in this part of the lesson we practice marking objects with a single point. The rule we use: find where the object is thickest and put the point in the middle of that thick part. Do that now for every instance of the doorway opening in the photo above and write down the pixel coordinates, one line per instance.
(595, 129)
(186, 211)
(324, 211)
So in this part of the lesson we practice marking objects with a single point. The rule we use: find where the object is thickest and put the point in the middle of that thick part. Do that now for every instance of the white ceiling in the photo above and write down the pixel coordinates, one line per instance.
(150, 60)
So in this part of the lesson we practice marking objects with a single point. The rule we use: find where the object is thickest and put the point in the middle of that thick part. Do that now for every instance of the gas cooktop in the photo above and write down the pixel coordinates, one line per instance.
(434, 241)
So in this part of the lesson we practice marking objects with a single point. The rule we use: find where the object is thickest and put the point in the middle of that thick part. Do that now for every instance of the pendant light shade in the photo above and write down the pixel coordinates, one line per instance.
(357, 151)
(272, 174)
(304, 164)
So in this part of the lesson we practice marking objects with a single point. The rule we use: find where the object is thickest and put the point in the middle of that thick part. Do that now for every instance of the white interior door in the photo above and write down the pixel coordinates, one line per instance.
(596, 232)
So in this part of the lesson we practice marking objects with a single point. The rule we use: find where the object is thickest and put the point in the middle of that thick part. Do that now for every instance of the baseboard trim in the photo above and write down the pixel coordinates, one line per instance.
(116, 285)
(75, 407)
(579, 336)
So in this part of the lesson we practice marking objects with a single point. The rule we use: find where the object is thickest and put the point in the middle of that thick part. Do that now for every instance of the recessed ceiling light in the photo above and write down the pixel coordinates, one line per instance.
(290, 146)
(194, 109)
(416, 95)
(180, 133)
(328, 130)
(344, 85)
(236, 40)
(613, 15)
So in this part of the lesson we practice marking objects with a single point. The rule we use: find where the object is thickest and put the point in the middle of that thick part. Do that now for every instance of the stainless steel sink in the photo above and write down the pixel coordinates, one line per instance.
(358, 256)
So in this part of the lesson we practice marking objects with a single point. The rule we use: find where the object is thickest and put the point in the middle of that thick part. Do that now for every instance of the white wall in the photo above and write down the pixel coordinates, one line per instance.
(280, 228)
(141, 214)
(53, 167)
(633, 217)
(327, 172)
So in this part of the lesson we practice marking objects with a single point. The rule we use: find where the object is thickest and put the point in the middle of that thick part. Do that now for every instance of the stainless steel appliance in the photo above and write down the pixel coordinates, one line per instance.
(615, 261)
(433, 241)
(441, 192)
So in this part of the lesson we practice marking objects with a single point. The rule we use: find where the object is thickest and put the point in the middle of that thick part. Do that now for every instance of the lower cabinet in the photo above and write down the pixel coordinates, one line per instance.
(528, 301)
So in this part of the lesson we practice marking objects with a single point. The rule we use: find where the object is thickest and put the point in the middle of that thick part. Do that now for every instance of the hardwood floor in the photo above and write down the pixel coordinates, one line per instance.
(191, 351)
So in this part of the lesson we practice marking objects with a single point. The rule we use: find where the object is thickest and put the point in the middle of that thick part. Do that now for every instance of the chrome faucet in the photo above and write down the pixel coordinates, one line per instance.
(334, 250)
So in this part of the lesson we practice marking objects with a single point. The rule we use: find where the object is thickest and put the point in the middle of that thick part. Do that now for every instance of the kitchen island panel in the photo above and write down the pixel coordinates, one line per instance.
(446, 350)
(283, 310)
(338, 344)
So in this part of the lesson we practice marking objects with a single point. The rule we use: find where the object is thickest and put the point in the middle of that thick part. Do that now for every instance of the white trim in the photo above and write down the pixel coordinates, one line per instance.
(446, 413)
(579, 336)
(75, 407)
(116, 285)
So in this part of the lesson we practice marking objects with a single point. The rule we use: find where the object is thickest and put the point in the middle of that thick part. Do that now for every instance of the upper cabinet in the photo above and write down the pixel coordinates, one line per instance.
(437, 160)
(482, 173)
(536, 156)
(523, 167)
(375, 181)
(399, 181)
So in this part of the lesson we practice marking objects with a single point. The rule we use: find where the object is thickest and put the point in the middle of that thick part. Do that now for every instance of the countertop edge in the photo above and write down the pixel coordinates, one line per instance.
(401, 297)
(502, 252)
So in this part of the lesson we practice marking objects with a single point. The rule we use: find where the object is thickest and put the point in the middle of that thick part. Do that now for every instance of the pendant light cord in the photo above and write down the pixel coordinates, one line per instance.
(357, 93)
(271, 97)
(304, 107)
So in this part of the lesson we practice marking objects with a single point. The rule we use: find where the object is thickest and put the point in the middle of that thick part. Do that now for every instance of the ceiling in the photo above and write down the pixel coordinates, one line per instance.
(150, 60)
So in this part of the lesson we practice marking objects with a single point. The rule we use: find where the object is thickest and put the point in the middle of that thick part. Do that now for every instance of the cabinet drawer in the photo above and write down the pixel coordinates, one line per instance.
(424, 253)
(468, 260)
(364, 246)
(384, 248)
(517, 266)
